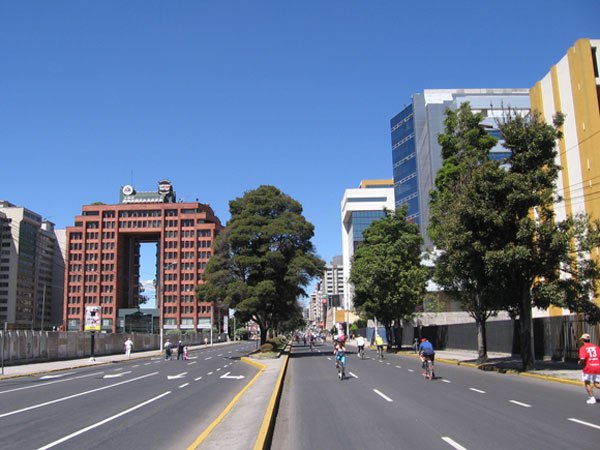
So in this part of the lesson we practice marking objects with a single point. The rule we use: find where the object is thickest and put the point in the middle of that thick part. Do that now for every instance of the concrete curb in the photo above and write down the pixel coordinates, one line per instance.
(497, 370)
(265, 433)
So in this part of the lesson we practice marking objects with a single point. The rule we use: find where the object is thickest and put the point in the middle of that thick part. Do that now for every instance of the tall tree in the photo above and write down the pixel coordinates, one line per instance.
(388, 277)
(542, 262)
(462, 224)
(263, 259)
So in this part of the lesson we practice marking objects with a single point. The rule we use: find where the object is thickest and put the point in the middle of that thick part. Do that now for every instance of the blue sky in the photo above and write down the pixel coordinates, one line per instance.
(221, 97)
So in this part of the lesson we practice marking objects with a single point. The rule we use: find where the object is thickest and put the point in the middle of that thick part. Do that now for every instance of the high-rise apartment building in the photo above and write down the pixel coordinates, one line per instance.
(103, 250)
(332, 282)
(416, 154)
(360, 207)
(31, 269)
(573, 87)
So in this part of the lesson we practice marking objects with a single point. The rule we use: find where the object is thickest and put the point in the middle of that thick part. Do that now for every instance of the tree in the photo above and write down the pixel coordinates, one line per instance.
(263, 259)
(463, 225)
(542, 262)
(388, 277)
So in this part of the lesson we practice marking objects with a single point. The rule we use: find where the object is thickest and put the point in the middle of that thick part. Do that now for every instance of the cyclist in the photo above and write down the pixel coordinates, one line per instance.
(339, 351)
(426, 352)
(311, 340)
(360, 343)
(379, 344)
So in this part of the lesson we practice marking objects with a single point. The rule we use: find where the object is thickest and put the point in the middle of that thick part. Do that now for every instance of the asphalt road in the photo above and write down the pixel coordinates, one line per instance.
(137, 404)
(389, 405)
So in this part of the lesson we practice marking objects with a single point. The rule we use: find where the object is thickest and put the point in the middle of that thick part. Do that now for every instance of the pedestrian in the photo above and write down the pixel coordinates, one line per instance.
(179, 351)
(128, 346)
(168, 349)
(589, 358)
(185, 353)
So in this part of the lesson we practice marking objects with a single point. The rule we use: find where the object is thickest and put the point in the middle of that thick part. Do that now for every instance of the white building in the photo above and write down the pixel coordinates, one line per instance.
(360, 207)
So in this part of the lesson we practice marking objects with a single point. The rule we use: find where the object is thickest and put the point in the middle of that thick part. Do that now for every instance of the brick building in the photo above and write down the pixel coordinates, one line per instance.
(103, 252)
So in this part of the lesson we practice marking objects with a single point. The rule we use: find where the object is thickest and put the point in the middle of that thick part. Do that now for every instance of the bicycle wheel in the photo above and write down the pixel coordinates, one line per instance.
(429, 369)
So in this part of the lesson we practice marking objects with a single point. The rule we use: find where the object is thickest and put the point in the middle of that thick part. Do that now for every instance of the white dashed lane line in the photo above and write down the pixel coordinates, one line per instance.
(524, 405)
(197, 379)
(183, 385)
(453, 443)
(447, 381)
(193, 362)
(410, 370)
(209, 373)
(587, 424)
(382, 395)
(351, 374)
(477, 390)
(398, 367)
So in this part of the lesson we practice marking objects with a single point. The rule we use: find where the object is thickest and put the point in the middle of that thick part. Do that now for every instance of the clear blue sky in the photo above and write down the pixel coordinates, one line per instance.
(223, 96)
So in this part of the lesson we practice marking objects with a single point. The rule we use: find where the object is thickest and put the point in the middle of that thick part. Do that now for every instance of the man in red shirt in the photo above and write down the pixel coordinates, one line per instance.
(589, 358)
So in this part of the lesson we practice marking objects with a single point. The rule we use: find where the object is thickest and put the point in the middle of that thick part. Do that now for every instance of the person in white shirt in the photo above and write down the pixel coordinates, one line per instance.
(128, 346)
(360, 343)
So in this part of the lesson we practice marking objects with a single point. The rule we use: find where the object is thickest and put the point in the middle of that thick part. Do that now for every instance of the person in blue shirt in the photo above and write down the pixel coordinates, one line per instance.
(426, 351)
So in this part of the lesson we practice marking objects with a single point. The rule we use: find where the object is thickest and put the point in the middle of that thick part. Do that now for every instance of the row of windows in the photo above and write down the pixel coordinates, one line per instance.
(186, 310)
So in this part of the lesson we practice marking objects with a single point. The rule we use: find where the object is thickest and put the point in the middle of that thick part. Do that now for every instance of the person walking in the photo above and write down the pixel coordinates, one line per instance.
(185, 353)
(179, 350)
(128, 346)
(168, 349)
(589, 358)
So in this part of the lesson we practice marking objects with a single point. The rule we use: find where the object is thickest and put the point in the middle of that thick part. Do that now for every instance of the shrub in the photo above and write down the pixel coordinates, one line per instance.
(266, 347)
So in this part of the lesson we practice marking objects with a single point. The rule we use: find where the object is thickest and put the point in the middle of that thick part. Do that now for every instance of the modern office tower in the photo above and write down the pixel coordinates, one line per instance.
(573, 87)
(360, 207)
(416, 154)
(332, 282)
(31, 268)
(315, 309)
(103, 249)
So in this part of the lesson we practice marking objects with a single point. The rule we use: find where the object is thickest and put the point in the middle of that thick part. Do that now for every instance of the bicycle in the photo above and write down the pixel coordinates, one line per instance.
(361, 352)
(340, 366)
(427, 369)
(380, 351)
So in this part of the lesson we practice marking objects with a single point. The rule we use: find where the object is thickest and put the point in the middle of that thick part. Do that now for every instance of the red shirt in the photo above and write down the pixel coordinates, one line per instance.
(590, 353)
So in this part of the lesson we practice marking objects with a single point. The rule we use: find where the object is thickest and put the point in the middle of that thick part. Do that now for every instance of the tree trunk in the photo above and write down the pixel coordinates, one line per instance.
(526, 333)
(481, 341)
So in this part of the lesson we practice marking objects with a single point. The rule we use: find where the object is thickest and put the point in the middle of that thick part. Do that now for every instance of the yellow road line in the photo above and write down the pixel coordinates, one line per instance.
(261, 440)
(218, 420)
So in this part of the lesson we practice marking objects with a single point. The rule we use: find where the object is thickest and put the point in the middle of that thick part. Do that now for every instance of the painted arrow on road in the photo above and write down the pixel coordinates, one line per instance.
(116, 375)
(173, 377)
(232, 377)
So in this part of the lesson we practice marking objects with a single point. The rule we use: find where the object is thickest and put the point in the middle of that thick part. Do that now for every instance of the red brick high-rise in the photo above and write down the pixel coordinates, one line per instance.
(103, 250)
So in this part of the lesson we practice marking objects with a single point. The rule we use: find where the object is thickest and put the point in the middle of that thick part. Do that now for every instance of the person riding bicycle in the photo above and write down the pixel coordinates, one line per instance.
(426, 352)
(339, 351)
(360, 343)
(379, 344)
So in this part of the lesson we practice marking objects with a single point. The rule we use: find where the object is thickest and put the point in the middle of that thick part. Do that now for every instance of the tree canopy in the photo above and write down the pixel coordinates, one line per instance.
(263, 259)
(387, 274)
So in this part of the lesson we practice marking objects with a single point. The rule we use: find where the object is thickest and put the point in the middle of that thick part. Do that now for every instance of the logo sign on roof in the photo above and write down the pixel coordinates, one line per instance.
(128, 189)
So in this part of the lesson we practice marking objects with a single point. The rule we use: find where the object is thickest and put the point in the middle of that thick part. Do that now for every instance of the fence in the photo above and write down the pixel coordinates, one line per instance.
(25, 346)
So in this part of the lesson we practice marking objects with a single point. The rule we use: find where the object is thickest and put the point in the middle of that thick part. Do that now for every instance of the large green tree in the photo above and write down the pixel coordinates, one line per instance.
(463, 224)
(263, 259)
(387, 274)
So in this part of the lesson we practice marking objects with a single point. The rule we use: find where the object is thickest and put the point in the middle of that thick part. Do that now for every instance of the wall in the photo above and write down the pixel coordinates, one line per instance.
(24, 346)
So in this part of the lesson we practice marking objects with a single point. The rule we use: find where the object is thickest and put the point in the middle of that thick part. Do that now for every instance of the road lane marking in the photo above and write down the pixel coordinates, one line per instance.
(399, 367)
(102, 422)
(209, 373)
(446, 381)
(385, 397)
(62, 399)
(525, 405)
(585, 423)
(234, 377)
(220, 354)
(206, 359)
(193, 362)
(183, 385)
(352, 375)
(388, 364)
(329, 358)
(116, 375)
(118, 368)
(137, 365)
(477, 390)
(179, 375)
(218, 368)
(147, 364)
(52, 382)
(49, 377)
(454, 444)
(197, 379)
(410, 370)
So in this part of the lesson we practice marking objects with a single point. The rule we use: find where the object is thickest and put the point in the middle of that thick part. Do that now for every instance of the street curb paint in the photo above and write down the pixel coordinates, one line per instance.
(504, 371)
(266, 429)
(235, 399)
